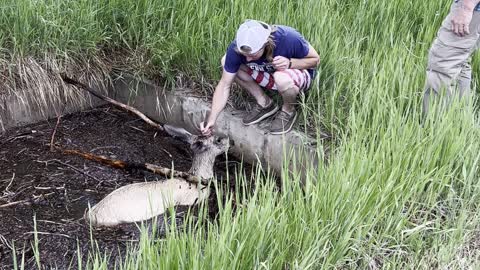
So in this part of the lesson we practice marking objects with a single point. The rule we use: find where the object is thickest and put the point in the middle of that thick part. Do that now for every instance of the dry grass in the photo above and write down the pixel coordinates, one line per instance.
(37, 82)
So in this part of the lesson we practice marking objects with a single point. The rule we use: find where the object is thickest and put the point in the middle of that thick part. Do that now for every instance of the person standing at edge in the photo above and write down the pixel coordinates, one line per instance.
(273, 57)
(448, 58)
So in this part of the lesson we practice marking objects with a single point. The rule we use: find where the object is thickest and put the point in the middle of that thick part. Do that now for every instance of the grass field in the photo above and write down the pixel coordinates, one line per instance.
(395, 194)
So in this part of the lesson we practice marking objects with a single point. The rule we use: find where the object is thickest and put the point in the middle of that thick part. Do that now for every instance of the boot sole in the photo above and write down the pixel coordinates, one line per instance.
(270, 113)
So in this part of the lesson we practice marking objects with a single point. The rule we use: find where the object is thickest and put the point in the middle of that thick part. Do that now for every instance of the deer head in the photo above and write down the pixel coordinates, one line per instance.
(199, 144)
(205, 148)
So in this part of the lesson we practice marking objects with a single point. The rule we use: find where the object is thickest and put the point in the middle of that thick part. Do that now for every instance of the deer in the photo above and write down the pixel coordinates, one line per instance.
(142, 201)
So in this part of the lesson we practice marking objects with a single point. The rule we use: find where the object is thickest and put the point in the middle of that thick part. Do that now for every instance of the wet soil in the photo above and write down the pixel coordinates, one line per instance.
(48, 192)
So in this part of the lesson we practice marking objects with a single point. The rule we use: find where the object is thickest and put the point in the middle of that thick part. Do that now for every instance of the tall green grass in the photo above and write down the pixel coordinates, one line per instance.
(395, 194)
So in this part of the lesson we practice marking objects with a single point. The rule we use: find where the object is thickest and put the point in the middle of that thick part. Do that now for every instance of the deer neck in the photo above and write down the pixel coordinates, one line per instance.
(202, 165)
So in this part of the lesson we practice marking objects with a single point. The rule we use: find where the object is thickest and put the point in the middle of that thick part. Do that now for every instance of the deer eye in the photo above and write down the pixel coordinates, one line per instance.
(197, 146)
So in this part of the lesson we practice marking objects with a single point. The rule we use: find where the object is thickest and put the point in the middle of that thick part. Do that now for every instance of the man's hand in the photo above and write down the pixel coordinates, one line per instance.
(280, 63)
(461, 18)
(206, 128)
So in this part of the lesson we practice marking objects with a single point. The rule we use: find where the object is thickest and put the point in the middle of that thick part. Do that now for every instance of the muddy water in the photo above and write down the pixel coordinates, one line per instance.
(55, 189)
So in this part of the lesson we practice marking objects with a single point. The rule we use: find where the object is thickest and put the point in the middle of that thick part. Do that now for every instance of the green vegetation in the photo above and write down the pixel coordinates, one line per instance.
(394, 194)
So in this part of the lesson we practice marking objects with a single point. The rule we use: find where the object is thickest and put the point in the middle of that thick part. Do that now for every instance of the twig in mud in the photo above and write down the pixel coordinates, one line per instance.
(109, 113)
(67, 200)
(24, 202)
(99, 184)
(79, 198)
(48, 188)
(18, 191)
(47, 233)
(49, 221)
(52, 148)
(21, 151)
(112, 101)
(9, 184)
(68, 220)
(132, 121)
(70, 166)
(139, 129)
(23, 135)
(5, 241)
(168, 153)
(103, 147)
(35, 199)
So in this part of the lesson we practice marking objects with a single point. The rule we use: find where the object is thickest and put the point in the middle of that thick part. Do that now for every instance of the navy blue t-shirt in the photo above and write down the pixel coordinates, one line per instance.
(289, 43)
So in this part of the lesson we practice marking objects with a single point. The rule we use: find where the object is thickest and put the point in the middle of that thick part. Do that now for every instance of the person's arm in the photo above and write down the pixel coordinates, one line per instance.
(219, 101)
(462, 16)
(311, 60)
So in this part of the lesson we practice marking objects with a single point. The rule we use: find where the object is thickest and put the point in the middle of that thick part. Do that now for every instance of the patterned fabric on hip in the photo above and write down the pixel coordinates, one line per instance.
(300, 77)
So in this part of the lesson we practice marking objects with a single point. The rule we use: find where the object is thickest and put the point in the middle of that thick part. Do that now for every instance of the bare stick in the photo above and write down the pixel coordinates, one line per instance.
(49, 221)
(47, 233)
(139, 129)
(52, 148)
(112, 101)
(169, 172)
(27, 201)
(49, 188)
(168, 153)
(5, 241)
(9, 184)
(76, 169)
(70, 166)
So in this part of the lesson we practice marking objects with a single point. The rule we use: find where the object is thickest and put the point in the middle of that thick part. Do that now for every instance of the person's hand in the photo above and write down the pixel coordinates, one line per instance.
(280, 62)
(461, 18)
(206, 128)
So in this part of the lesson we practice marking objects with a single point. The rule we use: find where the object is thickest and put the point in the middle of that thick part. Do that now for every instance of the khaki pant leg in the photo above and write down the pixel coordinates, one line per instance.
(465, 80)
(448, 59)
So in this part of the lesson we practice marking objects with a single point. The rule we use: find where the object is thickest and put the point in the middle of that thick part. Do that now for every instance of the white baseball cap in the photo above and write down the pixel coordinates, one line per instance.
(253, 34)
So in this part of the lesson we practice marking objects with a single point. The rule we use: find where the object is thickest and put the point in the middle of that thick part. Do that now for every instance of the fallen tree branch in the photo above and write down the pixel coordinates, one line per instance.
(120, 164)
(112, 101)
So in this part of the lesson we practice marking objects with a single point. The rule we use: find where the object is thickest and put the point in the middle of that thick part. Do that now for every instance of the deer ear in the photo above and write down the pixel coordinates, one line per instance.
(180, 133)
